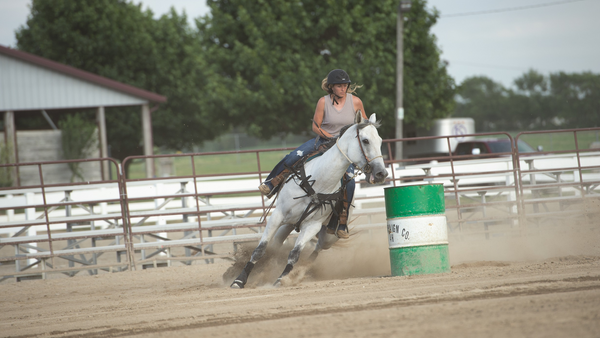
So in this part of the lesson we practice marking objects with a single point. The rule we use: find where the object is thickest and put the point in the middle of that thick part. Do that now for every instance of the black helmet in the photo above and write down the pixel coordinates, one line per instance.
(337, 76)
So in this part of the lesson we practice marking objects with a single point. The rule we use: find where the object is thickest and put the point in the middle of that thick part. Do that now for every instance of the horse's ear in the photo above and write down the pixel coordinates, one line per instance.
(373, 118)
(358, 118)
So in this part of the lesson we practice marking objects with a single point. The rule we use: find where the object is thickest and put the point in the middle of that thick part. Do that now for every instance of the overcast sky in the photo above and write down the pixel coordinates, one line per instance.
(546, 35)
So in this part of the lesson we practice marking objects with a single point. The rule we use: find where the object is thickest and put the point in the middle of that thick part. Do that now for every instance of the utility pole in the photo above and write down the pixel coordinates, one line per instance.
(403, 7)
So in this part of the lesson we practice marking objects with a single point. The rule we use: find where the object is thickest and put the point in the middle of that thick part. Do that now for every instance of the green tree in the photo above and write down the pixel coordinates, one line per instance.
(576, 99)
(78, 136)
(268, 59)
(530, 105)
(559, 100)
(116, 39)
(485, 101)
(183, 75)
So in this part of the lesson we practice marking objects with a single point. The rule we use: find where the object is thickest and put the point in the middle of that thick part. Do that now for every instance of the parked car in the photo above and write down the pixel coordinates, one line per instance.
(490, 146)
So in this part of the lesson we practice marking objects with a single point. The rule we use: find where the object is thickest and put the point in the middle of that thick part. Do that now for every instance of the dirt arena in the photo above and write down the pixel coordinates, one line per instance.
(544, 285)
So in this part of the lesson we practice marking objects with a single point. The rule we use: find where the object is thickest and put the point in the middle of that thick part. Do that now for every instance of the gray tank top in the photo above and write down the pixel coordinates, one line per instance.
(334, 120)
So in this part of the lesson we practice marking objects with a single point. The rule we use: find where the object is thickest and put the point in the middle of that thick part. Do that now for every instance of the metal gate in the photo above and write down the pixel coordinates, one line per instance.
(201, 214)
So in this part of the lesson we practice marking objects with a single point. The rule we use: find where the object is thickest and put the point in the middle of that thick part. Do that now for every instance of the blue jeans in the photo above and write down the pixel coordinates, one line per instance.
(307, 148)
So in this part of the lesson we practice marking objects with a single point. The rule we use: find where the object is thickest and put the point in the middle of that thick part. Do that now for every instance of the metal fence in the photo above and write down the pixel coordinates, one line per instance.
(562, 184)
(44, 222)
(135, 223)
(508, 193)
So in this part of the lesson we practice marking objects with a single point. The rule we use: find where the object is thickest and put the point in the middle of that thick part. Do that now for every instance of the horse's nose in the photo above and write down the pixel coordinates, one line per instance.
(381, 175)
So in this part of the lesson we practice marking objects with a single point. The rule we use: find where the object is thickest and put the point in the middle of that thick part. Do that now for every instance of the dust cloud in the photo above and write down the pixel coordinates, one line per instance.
(547, 235)
(534, 246)
(366, 253)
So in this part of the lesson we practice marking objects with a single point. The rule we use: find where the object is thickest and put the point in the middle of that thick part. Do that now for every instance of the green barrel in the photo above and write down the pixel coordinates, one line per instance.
(417, 230)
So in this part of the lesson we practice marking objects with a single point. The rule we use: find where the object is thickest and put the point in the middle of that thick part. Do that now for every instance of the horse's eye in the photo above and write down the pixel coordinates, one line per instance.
(365, 141)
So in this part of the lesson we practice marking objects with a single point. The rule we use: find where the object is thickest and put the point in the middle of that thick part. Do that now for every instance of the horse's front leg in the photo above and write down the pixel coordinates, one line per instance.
(309, 230)
(272, 225)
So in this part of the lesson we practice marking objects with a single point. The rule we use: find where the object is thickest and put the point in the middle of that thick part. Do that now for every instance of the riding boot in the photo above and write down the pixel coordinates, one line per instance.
(265, 188)
(333, 223)
(342, 230)
(269, 188)
(338, 223)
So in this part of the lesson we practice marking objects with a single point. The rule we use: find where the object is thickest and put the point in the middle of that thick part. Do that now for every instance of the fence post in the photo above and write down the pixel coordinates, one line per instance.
(30, 215)
(184, 205)
(69, 225)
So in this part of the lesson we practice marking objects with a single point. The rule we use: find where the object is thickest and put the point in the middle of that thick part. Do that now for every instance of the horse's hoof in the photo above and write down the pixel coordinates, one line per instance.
(277, 283)
(237, 284)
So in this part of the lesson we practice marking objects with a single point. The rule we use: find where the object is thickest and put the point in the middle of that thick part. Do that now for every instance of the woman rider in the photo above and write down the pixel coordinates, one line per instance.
(335, 110)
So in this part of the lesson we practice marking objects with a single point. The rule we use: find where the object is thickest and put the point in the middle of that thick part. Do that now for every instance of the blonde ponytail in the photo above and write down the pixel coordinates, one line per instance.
(325, 87)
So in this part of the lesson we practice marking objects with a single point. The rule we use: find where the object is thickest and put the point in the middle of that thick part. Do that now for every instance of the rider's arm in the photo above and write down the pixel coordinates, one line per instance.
(358, 105)
(318, 119)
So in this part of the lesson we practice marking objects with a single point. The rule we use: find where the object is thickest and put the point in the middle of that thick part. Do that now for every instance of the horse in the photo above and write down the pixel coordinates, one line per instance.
(360, 145)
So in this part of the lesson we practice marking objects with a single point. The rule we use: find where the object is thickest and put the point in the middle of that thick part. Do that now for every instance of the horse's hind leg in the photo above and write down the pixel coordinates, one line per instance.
(259, 252)
(307, 233)
(325, 241)
(281, 235)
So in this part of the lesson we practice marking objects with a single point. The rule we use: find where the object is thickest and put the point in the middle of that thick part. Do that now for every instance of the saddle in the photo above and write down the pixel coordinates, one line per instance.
(338, 200)
(287, 171)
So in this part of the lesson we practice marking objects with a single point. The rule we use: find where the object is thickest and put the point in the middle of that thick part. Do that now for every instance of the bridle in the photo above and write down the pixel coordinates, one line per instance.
(367, 169)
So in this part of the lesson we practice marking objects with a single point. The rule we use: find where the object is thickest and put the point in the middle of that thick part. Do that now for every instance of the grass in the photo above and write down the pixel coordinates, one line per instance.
(214, 164)
(237, 163)
(557, 141)
(560, 140)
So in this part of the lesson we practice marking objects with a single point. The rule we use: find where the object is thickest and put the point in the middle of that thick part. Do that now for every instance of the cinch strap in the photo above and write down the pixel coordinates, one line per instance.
(317, 200)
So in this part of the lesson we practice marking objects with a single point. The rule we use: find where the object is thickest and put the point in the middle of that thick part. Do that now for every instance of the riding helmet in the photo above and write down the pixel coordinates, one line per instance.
(338, 76)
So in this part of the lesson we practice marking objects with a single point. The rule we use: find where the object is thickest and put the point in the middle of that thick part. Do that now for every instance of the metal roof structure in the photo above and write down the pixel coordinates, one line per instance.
(29, 82)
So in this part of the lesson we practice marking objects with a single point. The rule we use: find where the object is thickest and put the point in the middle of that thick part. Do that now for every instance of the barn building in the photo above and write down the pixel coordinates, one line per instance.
(29, 82)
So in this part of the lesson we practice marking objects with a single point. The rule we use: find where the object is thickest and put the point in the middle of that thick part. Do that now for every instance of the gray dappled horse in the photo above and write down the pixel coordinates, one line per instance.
(359, 144)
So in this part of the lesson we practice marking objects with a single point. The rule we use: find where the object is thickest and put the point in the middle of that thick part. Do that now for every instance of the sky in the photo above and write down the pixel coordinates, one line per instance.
(546, 35)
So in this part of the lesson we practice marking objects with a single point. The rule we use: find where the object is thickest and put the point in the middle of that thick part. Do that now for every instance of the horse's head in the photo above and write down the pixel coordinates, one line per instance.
(366, 153)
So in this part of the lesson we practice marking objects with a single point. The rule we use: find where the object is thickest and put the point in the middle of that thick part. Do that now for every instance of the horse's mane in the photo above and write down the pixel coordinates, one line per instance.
(360, 126)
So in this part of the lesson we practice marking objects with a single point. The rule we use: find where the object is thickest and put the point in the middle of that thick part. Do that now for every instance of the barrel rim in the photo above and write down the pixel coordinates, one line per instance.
(413, 185)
